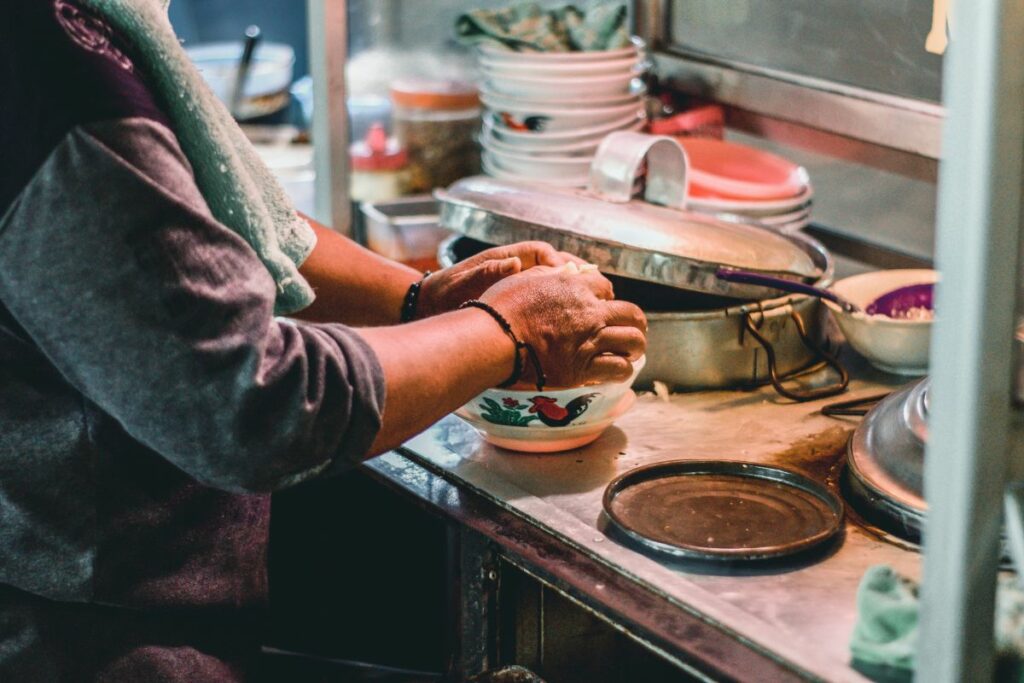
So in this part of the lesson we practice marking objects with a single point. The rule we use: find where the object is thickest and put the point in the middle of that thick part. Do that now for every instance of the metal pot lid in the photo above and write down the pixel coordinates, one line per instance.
(637, 238)
(721, 510)
(885, 462)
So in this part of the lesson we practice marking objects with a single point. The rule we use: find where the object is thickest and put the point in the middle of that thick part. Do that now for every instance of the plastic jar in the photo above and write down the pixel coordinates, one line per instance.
(379, 167)
(438, 123)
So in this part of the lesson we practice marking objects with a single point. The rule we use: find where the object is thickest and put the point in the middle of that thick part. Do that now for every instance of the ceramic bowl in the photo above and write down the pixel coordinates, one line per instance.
(495, 53)
(533, 141)
(489, 168)
(584, 148)
(541, 119)
(268, 80)
(896, 346)
(549, 420)
(501, 68)
(548, 167)
(541, 87)
(493, 100)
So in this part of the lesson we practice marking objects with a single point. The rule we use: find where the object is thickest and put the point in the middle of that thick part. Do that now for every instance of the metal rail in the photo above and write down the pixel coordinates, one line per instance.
(970, 441)
(328, 52)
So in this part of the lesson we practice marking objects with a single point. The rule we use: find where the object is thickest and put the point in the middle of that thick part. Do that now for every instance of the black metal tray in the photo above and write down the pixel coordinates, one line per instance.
(720, 510)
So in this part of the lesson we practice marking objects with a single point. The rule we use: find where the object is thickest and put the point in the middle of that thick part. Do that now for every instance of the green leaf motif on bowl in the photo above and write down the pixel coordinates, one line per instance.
(494, 413)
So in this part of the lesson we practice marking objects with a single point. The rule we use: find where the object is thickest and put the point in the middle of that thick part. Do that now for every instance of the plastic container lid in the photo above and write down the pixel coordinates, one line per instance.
(437, 95)
(728, 170)
(378, 152)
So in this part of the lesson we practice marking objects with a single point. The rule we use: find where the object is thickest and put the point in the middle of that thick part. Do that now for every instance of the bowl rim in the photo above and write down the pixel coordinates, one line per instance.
(637, 94)
(570, 113)
(565, 68)
(638, 366)
(575, 80)
(531, 158)
(487, 138)
(598, 131)
(580, 56)
(930, 275)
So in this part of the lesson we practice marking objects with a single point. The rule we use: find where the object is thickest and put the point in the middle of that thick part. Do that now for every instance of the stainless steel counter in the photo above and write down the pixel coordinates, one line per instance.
(797, 615)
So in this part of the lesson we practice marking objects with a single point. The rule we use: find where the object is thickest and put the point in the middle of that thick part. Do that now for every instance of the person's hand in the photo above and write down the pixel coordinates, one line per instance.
(447, 289)
(580, 333)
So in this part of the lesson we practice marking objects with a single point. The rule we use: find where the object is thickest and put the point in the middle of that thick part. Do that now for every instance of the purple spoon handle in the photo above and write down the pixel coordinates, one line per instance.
(747, 278)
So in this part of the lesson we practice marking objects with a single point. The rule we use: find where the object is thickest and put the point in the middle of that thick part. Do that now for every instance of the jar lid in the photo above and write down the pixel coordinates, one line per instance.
(447, 95)
(377, 152)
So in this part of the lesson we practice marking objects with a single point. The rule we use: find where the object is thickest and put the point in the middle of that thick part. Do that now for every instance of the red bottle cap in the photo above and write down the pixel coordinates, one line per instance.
(377, 152)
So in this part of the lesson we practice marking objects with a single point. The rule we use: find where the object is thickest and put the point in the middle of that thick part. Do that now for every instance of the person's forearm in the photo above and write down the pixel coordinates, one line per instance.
(434, 366)
(353, 285)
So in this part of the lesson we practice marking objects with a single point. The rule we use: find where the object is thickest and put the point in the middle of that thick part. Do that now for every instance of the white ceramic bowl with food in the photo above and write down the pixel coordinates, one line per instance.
(533, 141)
(524, 419)
(497, 68)
(898, 346)
(541, 87)
(546, 167)
(541, 119)
(495, 53)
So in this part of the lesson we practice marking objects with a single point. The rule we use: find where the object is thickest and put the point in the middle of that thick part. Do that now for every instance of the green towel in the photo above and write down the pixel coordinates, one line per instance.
(239, 189)
(885, 637)
(884, 641)
(528, 27)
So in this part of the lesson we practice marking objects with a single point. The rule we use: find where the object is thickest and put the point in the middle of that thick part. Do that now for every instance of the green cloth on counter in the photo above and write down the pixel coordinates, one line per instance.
(529, 27)
(239, 189)
(885, 636)
(884, 641)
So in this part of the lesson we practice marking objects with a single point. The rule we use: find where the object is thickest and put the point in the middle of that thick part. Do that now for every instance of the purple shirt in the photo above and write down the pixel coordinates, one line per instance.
(149, 399)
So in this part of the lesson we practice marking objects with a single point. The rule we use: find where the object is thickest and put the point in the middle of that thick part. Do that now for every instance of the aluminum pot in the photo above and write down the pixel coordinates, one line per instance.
(704, 342)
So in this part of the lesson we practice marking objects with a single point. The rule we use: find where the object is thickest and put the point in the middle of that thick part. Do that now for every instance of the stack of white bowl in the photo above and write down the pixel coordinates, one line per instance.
(784, 215)
(545, 113)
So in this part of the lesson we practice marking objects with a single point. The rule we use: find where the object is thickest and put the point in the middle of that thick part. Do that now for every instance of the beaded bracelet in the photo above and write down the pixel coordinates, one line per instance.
(412, 297)
(531, 353)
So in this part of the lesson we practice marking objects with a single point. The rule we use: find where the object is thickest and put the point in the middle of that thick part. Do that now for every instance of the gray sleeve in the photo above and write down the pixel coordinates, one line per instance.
(162, 317)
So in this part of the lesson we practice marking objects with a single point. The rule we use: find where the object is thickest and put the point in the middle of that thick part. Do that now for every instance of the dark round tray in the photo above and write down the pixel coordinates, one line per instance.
(719, 510)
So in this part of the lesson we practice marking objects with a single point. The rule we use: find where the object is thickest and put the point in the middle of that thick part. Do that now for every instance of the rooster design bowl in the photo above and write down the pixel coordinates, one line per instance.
(549, 420)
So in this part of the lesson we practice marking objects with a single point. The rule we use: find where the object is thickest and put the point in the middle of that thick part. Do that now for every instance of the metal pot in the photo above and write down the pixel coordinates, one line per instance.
(704, 342)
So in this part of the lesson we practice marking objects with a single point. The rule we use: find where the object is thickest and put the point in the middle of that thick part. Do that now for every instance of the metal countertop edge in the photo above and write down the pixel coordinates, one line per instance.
(639, 610)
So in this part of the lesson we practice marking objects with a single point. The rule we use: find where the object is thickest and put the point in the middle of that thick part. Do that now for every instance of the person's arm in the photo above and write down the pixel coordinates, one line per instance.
(434, 366)
(357, 287)
(163, 319)
(353, 285)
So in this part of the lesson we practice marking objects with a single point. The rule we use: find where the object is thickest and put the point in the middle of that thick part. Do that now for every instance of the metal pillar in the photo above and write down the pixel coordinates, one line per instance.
(328, 52)
(971, 438)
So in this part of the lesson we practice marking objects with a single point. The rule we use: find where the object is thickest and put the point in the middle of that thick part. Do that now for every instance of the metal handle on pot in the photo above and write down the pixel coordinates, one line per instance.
(618, 161)
(823, 356)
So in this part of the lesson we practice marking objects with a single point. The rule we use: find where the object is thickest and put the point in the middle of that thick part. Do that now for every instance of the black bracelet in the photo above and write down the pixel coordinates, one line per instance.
(531, 353)
(412, 297)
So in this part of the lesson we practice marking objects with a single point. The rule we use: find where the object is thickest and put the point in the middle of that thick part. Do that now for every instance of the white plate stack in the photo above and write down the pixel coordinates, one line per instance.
(545, 113)
(784, 215)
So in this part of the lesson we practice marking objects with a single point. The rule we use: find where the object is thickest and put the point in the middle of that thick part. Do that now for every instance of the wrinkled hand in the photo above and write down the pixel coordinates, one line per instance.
(581, 334)
(447, 289)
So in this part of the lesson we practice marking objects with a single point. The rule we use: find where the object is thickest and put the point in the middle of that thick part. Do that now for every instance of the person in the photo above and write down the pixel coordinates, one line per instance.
(149, 397)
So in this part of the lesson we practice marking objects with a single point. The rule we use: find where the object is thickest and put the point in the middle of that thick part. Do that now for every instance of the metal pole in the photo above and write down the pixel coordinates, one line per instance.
(970, 438)
(328, 52)
(650, 19)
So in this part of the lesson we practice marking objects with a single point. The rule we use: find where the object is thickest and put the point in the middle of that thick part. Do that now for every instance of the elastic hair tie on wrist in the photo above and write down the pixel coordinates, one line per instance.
(531, 353)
